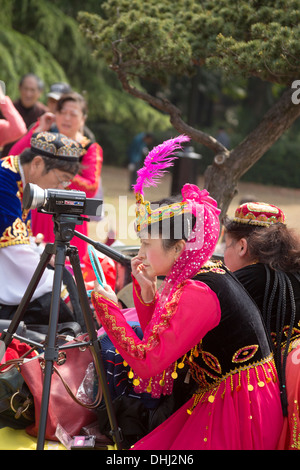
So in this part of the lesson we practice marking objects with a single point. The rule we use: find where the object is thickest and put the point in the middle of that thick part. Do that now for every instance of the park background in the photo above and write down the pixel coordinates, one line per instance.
(44, 37)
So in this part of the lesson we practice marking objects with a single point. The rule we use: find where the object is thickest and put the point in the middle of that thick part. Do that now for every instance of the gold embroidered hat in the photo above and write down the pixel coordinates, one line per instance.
(55, 145)
(259, 213)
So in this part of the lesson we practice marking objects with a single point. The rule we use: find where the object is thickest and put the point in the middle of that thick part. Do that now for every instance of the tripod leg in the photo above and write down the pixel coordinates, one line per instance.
(18, 316)
(51, 349)
(96, 348)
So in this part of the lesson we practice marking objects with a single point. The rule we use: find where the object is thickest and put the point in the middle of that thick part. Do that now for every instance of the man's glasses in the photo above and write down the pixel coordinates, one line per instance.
(63, 183)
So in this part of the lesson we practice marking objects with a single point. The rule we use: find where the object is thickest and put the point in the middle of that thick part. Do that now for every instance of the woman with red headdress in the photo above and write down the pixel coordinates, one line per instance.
(264, 255)
(204, 345)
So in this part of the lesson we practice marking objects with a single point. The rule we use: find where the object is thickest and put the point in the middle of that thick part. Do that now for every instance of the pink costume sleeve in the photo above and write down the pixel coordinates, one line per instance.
(88, 179)
(181, 327)
(13, 126)
(144, 310)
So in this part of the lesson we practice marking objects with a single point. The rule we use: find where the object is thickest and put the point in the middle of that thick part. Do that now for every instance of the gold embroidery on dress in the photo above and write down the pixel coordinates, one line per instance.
(16, 234)
(85, 141)
(20, 190)
(212, 362)
(296, 431)
(126, 342)
(263, 377)
(140, 298)
(11, 163)
(245, 353)
(295, 334)
(29, 229)
(83, 183)
(207, 390)
(213, 266)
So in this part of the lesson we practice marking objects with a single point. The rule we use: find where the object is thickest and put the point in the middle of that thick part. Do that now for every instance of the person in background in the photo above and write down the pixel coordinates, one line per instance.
(28, 104)
(137, 151)
(219, 252)
(204, 341)
(12, 127)
(51, 161)
(264, 255)
(223, 137)
(56, 91)
(69, 119)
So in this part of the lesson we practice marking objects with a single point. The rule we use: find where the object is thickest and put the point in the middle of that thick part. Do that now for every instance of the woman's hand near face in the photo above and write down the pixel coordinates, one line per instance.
(45, 122)
(106, 291)
(145, 278)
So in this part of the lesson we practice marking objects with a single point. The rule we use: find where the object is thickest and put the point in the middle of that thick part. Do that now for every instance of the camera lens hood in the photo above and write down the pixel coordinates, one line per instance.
(33, 196)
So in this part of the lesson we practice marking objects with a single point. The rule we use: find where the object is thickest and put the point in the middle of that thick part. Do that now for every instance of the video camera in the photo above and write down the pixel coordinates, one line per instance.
(60, 201)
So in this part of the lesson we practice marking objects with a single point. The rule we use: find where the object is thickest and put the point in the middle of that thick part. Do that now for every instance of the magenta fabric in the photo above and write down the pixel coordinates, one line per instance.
(238, 418)
(150, 356)
(290, 436)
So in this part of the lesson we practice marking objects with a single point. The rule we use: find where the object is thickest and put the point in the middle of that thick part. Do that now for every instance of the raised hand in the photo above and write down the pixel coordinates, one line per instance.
(145, 277)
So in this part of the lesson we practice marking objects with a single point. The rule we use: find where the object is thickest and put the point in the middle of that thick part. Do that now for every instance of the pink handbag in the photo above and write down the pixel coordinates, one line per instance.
(65, 408)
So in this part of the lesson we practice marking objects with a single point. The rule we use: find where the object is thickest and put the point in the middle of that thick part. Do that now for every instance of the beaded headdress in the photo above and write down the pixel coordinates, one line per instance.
(259, 214)
(199, 247)
(55, 145)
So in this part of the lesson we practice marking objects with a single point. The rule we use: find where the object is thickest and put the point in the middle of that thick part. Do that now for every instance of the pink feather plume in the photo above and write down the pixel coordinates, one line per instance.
(157, 161)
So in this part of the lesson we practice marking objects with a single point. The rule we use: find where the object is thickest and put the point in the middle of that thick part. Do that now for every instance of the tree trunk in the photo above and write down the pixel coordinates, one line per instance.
(221, 179)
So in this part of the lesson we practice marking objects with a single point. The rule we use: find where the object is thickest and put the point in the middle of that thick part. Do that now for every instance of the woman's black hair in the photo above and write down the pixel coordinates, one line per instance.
(276, 245)
(278, 248)
(76, 98)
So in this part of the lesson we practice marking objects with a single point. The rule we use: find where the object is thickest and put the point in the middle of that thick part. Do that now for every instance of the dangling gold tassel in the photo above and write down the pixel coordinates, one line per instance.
(197, 397)
(162, 381)
(174, 374)
(136, 381)
(250, 387)
(149, 387)
(239, 386)
(181, 364)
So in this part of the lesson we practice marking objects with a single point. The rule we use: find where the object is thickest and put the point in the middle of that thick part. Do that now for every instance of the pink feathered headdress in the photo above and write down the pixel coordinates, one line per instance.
(157, 161)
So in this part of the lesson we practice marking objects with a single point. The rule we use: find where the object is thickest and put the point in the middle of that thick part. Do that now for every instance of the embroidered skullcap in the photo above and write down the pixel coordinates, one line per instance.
(258, 213)
(55, 145)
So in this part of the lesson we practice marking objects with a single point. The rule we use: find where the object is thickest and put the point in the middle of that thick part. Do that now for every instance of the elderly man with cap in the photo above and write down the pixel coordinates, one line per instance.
(50, 162)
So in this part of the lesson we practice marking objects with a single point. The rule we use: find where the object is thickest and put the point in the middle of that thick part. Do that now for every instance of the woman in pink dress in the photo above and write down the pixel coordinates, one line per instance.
(204, 343)
(69, 120)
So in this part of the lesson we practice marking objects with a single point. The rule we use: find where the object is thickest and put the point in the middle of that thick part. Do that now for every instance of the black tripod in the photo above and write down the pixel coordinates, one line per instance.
(64, 226)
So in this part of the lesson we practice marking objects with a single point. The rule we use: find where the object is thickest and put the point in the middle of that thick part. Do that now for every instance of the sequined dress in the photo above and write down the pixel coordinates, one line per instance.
(211, 328)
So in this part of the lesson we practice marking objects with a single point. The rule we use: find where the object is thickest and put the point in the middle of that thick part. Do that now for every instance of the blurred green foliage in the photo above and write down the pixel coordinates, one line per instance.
(222, 63)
